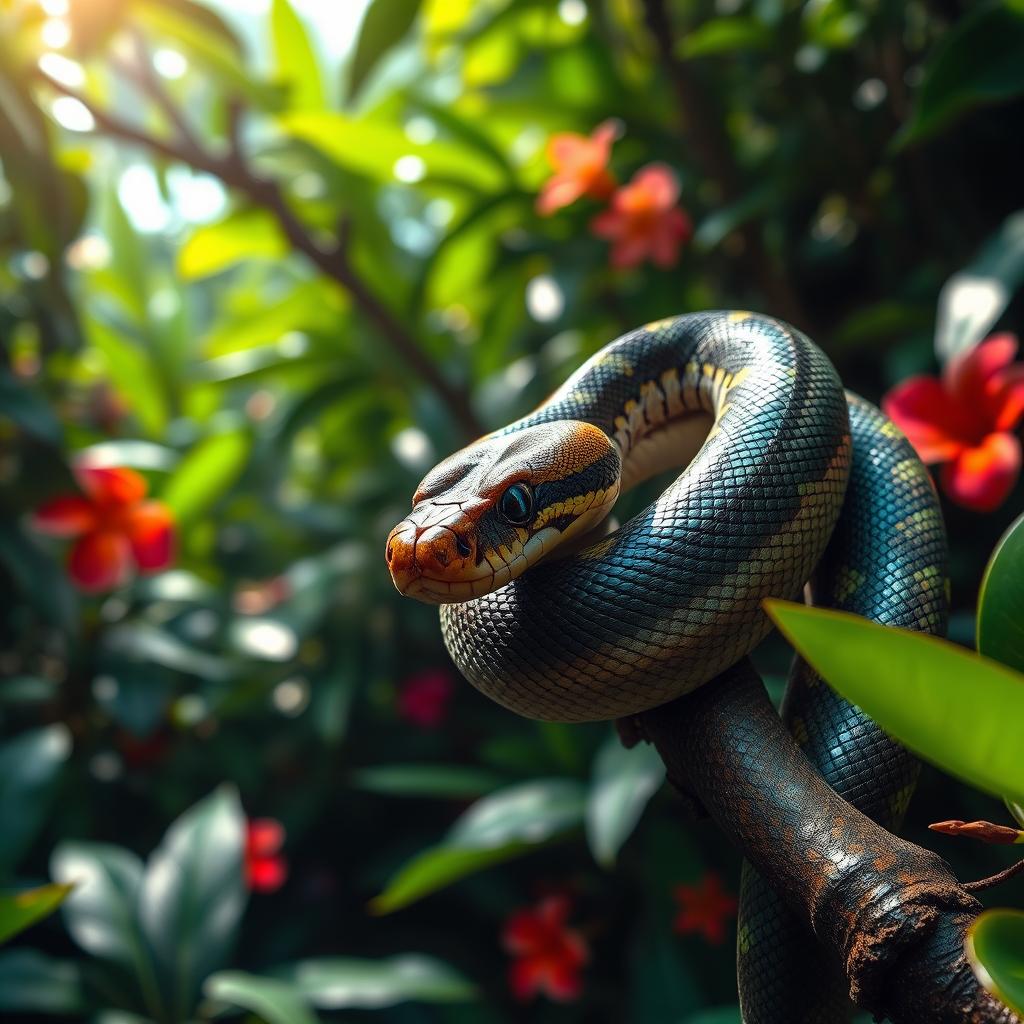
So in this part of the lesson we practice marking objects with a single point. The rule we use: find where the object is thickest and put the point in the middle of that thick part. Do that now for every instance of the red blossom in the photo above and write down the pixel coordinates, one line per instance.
(704, 909)
(965, 420)
(581, 168)
(265, 868)
(423, 698)
(115, 529)
(547, 956)
(643, 220)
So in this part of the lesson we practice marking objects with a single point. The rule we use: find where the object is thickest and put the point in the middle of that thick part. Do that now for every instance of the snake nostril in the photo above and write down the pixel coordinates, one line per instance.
(390, 552)
(463, 546)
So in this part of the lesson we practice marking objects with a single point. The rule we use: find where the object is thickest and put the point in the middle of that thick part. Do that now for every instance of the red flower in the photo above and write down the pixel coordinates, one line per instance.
(643, 220)
(581, 168)
(115, 528)
(964, 420)
(547, 955)
(704, 909)
(424, 697)
(265, 868)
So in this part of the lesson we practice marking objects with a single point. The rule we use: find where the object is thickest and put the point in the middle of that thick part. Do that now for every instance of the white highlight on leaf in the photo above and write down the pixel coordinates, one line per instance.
(72, 114)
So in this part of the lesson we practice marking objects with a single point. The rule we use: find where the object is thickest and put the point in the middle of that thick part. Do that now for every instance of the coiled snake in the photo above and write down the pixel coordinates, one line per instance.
(787, 481)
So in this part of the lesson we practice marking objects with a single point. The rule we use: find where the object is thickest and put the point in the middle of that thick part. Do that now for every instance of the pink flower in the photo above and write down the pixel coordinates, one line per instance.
(965, 420)
(581, 168)
(265, 868)
(547, 956)
(115, 529)
(423, 698)
(643, 220)
(704, 909)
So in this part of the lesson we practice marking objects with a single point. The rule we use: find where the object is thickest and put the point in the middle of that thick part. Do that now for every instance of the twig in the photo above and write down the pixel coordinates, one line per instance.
(993, 880)
(234, 171)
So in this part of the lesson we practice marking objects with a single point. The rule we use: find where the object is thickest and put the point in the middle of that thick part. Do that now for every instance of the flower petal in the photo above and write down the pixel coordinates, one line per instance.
(559, 191)
(265, 836)
(267, 873)
(982, 477)
(525, 977)
(1008, 402)
(966, 374)
(111, 485)
(68, 516)
(100, 560)
(151, 533)
(660, 183)
(926, 412)
(562, 979)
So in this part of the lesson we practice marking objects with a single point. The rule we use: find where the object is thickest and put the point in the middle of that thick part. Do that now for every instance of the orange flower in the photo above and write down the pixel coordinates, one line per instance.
(265, 868)
(704, 908)
(581, 168)
(643, 220)
(547, 955)
(115, 528)
(965, 420)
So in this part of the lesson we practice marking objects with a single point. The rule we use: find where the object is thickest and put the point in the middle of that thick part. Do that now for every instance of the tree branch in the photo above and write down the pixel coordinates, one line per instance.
(889, 912)
(234, 170)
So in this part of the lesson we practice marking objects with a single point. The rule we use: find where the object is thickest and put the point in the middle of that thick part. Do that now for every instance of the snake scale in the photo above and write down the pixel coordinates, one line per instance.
(787, 481)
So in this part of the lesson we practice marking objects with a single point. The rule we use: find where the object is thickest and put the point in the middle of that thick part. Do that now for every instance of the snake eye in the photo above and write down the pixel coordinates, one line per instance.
(516, 504)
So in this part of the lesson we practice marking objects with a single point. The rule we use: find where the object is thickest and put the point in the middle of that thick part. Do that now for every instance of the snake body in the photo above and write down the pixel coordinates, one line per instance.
(788, 481)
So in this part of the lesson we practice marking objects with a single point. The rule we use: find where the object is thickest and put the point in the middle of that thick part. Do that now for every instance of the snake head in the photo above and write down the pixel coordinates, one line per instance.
(490, 511)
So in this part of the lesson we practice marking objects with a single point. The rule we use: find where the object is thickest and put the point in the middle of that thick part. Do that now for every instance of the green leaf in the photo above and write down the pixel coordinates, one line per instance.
(622, 784)
(385, 24)
(206, 473)
(241, 236)
(276, 1002)
(438, 780)
(32, 982)
(18, 910)
(995, 948)
(31, 412)
(295, 59)
(30, 766)
(337, 983)
(193, 895)
(1001, 601)
(724, 35)
(496, 828)
(974, 298)
(977, 62)
(955, 708)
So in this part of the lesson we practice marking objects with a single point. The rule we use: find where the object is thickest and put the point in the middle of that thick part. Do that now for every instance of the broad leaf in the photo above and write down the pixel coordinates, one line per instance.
(385, 23)
(295, 59)
(496, 828)
(995, 948)
(30, 766)
(241, 236)
(193, 895)
(725, 35)
(341, 982)
(19, 910)
(622, 784)
(29, 410)
(206, 473)
(32, 982)
(959, 710)
(440, 780)
(1001, 601)
(275, 1001)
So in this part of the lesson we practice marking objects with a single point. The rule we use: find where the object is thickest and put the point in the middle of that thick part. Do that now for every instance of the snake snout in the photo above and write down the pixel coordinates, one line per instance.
(437, 553)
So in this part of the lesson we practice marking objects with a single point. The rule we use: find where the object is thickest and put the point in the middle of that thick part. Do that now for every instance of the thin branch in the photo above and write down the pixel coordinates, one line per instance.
(235, 172)
(997, 879)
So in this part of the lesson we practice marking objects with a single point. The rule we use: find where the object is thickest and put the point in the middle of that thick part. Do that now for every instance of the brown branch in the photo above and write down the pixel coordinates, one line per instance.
(235, 171)
(889, 913)
(702, 127)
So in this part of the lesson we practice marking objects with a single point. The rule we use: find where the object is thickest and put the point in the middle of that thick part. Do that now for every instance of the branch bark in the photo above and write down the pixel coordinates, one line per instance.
(889, 912)
(235, 172)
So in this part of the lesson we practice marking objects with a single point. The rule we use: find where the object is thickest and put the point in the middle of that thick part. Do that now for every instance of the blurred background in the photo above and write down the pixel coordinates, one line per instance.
(262, 264)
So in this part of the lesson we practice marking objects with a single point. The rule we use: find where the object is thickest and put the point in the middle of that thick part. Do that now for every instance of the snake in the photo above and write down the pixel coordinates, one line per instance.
(787, 485)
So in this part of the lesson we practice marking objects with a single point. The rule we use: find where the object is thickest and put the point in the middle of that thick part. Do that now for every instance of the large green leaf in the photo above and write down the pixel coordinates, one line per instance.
(995, 948)
(959, 710)
(32, 982)
(273, 1000)
(1001, 601)
(241, 236)
(978, 61)
(193, 895)
(973, 299)
(385, 24)
(496, 828)
(295, 59)
(439, 780)
(30, 766)
(725, 35)
(19, 910)
(623, 782)
(206, 473)
(335, 983)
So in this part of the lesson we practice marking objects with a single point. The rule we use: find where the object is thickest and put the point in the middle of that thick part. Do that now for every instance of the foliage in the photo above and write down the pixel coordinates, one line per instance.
(277, 264)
